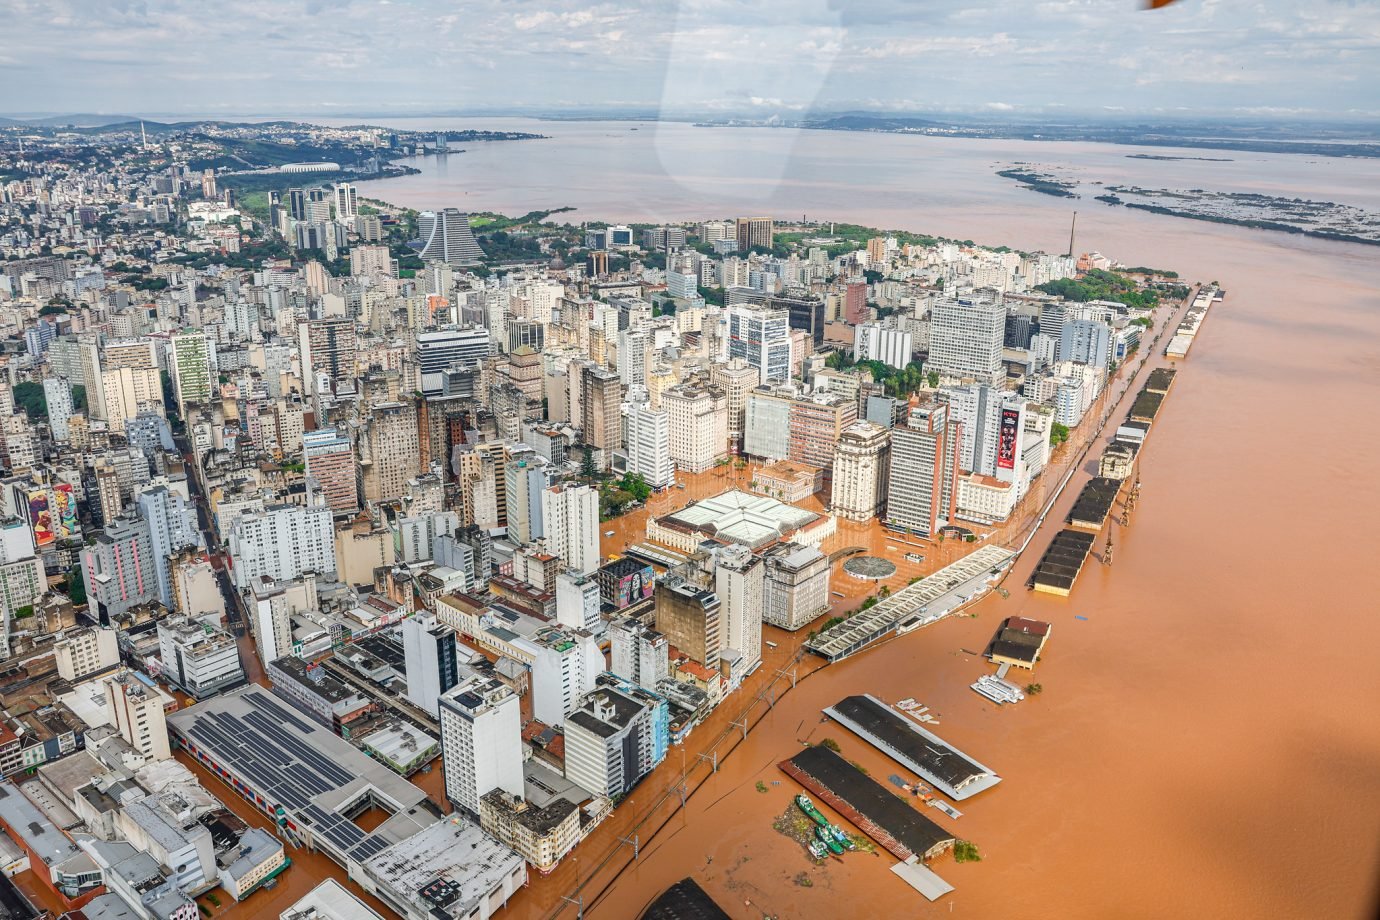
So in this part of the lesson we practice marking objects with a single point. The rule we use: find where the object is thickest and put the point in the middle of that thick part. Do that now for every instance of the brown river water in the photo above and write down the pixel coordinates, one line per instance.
(1207, 743)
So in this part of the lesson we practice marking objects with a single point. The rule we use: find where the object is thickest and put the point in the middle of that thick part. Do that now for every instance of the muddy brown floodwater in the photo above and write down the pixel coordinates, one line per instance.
(1206, 743)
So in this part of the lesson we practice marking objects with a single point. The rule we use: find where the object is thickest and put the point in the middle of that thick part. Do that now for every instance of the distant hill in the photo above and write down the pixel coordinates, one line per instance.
(873, 123)
(82, 120)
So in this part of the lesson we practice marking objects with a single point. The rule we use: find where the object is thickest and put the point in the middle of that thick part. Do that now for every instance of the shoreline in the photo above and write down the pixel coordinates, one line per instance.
(684, 787)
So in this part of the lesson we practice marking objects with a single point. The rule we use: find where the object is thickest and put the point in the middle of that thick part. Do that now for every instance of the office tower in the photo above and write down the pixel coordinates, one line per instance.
(992, 421)
(525, 481)
(443, 349)
(172, 525)
(966, 339)
(1052, 316)
(649, 446)
(735, 380)
(691, 618)
(283, 542)
(816, 422)
(682, 285)
(1086, 341)
(1019, 330)
(446, 237)
(861, 469)
(922, 484)
(577, 602)
(570, 516)
(697, 418)
(136, 711)
(600, 396)
(639, 654)
(346, 202)
(795, 586)
(481, 741)
(371, 260)
(79, 360)
(887, 344)
(389, 451)
(119, 567)
(208, 184)
(738, 583)
(189, 355)
(330, 460)
(197, 657)
(804, 312)
(761, 336)
(57, 392)
(564, 668)
(754, 233)
(614, 739)
(431, 661)
(297, 204)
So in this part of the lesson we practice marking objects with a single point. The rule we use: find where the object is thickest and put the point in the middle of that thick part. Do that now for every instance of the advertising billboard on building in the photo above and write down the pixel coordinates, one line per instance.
(41, 517)
(1008, 439)
(636, 586)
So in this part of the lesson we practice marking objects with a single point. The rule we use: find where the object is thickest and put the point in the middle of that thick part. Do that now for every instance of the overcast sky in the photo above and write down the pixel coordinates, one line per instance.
(153, 57)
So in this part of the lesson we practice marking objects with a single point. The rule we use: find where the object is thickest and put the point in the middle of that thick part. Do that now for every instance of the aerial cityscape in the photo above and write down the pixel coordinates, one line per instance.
(651, 510)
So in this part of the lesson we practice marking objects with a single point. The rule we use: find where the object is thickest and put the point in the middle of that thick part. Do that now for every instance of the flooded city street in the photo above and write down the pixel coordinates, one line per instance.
(1203, 745)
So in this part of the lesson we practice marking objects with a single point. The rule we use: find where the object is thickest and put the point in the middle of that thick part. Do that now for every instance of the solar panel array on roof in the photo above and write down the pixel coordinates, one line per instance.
(284, 768)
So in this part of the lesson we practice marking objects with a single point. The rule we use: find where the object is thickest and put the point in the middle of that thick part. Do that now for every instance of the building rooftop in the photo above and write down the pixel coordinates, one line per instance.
(306, 769)
(329, 901)
(444, 870)
(740, 517)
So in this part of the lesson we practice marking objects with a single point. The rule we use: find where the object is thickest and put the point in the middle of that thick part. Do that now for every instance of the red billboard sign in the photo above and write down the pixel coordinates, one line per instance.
(1008, 439)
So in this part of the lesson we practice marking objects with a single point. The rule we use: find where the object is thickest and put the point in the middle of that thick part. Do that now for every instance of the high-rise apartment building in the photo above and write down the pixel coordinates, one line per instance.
(136, 711)
(127, 391)
(330, 460)
(615, 738)
(697, 420)
(754, 233)
(197, 657)
(738, 583)
(189, 359)
(735, 380)
(577, 602)
(638, 653)
(887, 344)
(327, 347)
(966, 337)
(173, 527)
(389, 448)
(481, 741)
(691, 618)
(600, 397)
(565, 664)
(119, 568)
(283, 542)
(861, 469)
(570, 517)
(648, 440)
(993, 422)
(57, 393)
(922, 484)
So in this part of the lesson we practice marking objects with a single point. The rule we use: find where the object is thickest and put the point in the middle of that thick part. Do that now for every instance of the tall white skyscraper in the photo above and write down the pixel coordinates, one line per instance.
(738, 581)
(992, 421)
(58, 394)
(564, 668)
(481, 741)
(649, 445)
(761, 336)
(346, 202)
(966, 337)
(571, 519)
(282, 542)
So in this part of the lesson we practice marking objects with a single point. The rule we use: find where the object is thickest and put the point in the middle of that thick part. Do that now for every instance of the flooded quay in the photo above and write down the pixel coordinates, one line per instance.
(1204, 745)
